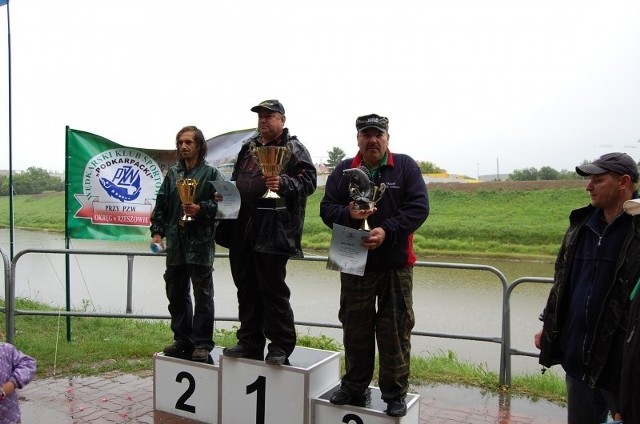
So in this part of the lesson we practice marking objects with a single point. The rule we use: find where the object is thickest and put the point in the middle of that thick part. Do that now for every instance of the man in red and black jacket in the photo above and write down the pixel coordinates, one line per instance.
(379, 304)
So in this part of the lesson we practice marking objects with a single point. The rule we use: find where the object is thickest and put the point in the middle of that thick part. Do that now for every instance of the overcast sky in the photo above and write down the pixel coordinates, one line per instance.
(474, 86)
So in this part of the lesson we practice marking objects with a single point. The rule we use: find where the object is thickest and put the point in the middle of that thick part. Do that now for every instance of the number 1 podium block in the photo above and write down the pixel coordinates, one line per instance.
(186, 388)
(254, 392)
(328, 413)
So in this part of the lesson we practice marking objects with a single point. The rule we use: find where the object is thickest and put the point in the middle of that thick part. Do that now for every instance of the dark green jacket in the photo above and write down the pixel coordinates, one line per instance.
(192, 243)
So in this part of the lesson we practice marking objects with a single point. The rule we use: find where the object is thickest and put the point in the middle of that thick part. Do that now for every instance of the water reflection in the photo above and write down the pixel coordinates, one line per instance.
(445, 300)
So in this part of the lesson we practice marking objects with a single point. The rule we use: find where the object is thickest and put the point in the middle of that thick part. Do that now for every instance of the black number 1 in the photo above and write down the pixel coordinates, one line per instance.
(260, 386)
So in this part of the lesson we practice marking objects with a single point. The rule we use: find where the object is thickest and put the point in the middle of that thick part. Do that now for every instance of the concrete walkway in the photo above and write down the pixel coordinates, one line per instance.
(127, 398)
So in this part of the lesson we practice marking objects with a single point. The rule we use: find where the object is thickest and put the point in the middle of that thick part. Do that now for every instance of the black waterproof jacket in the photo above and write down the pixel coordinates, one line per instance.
(630, 384)
(273, 231)
(605, 353)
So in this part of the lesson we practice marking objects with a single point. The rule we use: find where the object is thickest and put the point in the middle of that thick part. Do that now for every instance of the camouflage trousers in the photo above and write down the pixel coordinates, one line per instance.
(377, 306)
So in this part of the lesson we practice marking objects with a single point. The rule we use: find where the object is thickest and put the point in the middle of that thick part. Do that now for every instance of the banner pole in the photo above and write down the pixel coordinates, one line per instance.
(66, 231)
(11, 214)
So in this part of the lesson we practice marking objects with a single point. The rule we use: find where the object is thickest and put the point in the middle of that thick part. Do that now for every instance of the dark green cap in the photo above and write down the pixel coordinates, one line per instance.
(372, 121)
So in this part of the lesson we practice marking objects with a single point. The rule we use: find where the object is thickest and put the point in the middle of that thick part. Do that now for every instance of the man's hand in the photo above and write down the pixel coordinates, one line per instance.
(360, 213)
(537, 339)
(273, 183)
(374, 239)
(191, 209)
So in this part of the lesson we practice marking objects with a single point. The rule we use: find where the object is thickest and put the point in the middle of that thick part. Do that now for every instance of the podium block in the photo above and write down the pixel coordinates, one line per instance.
(254, 392)
(186, 388)
(327, 413)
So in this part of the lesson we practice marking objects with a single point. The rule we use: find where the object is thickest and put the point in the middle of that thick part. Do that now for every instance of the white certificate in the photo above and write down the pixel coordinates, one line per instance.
(229, 206)
(346, 253)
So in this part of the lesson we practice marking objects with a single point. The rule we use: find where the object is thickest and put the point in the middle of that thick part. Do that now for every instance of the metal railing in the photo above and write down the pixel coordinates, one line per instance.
(504, 339)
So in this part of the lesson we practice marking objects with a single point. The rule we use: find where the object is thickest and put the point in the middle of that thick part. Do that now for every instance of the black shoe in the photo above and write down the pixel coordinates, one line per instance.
(178, 350)
(239, 351)
(340, 397)
(276, 357)
(396, 408)
(201, 355)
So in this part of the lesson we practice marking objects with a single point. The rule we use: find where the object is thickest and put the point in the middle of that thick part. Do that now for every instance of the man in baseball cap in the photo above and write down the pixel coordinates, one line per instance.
(585, 318)
(620, 163)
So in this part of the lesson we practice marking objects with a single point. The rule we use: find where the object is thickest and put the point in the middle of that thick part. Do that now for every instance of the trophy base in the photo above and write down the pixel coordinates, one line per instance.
(271, 203)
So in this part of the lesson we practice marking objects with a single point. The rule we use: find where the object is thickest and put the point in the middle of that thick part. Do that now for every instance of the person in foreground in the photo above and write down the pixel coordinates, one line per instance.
(585, 318)
(379, 304)
(16, 370)
(189, 230)
(630, 384)
(262, 240)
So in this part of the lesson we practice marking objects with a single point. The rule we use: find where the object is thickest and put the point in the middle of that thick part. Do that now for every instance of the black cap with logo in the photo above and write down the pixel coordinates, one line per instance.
(620, 163)
(273, 105)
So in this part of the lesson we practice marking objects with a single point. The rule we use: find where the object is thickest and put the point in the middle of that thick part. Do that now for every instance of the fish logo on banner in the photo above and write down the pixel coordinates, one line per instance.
(119, 188)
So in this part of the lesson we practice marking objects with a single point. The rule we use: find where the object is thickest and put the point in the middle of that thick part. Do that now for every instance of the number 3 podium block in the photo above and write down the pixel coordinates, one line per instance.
(253, 392)
(328, 413)
(185, 388)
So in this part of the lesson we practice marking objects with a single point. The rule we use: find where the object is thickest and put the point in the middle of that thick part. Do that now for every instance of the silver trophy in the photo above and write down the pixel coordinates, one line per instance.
(363, 192)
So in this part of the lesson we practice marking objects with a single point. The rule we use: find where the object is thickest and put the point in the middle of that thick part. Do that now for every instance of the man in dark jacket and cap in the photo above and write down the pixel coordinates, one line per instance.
(265, 235)
(586, 314)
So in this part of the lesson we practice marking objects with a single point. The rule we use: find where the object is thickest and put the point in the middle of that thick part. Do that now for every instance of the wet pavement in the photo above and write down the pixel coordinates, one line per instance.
(128, 398)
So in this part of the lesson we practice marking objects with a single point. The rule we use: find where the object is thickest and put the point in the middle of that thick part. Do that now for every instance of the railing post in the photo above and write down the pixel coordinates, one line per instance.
(9, 294)
(129, 284)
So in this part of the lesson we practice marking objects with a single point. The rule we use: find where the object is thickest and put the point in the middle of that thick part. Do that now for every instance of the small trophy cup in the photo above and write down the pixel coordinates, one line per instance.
(187, 192)
(271, 160)
(362, 191)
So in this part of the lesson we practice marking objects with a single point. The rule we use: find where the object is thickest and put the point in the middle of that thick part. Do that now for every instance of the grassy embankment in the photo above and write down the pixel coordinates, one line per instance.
(520, 224)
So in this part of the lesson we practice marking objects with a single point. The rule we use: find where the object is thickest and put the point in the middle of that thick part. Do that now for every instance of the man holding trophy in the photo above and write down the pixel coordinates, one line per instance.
(184, 215)
(392, 200)
(274, 174)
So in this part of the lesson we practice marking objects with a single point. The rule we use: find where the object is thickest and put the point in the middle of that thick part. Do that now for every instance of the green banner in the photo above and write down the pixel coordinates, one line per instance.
(111, 189)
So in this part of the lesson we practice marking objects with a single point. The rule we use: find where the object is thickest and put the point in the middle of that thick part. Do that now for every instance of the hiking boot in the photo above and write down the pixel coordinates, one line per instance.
(340, 397)
(178, 350)
(396, 408)
(239, 351)
(276, 357)
(201, 355)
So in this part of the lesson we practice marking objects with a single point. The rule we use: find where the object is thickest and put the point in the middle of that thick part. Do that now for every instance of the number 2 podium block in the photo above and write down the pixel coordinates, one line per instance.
(186, 388)
(254, 392)
(328, 413)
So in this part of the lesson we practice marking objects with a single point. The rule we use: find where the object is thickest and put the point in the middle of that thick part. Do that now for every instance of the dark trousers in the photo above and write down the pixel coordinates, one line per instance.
(264, 309)
(377, 306)
(189, 326)
(586, 405)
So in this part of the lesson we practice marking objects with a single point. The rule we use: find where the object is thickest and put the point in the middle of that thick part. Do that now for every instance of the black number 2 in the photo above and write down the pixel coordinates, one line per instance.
(260, 386)
(180, 404)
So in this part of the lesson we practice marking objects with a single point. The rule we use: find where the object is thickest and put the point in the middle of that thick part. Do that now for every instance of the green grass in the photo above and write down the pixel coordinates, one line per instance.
(41, 211)
(101, 345)
(502, 223)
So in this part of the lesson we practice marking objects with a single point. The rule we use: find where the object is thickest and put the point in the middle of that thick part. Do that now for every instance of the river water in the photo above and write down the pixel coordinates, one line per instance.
(462, 302)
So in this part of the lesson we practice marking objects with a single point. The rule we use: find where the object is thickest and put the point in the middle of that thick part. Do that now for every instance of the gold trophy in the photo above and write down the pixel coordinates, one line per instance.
(363, 192)
(187, 192)
(271, 160)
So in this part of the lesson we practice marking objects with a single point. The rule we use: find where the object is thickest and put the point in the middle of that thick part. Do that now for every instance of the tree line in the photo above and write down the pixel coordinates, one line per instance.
(32, 181)
(336, 155)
